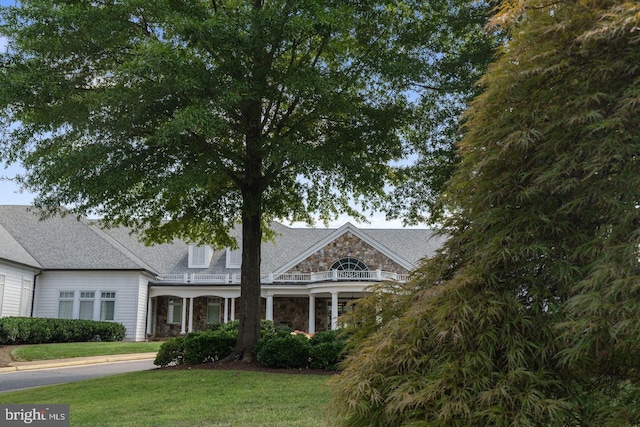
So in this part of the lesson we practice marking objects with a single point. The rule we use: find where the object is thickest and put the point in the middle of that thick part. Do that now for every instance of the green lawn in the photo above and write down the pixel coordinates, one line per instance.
(81, 349)
(190, 398)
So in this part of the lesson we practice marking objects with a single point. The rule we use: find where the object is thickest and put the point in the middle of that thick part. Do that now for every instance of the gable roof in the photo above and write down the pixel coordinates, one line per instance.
(368, 237)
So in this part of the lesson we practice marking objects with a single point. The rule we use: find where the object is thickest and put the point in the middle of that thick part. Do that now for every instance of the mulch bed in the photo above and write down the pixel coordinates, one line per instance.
(250, 366)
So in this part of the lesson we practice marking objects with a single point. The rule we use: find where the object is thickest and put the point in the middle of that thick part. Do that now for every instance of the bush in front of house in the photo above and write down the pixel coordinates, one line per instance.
(197, 347)
(297, 350)
(208, 346)
(38, 330)
(171, 352)
(327, 350)
(283, 349)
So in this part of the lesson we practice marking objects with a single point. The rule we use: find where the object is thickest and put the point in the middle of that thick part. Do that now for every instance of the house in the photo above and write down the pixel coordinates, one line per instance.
(63, 267)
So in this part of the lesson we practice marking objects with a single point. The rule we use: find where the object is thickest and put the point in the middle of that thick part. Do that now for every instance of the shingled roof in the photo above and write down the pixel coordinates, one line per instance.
(68, 243)
(62, 243)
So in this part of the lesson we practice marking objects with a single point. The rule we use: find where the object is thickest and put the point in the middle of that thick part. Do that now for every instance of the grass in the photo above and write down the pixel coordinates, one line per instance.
(189, 398)
(81, 349)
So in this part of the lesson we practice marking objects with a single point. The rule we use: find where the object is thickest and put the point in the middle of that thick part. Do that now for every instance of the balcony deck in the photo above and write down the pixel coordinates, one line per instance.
(298, 278)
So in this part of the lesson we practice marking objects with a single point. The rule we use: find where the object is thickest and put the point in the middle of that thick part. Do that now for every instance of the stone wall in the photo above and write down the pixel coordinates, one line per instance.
(294, 312)
(348, 245)
(164, 329)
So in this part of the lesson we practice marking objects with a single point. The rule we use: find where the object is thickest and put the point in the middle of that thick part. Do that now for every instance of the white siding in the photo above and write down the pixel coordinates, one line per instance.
(128, 287)
(11, 300)
(142, 301)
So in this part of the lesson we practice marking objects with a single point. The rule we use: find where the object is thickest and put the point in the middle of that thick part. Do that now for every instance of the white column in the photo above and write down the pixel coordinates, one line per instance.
(190, 314)
(312, 314)
(269, 314)
(184, 316)
(233, 309)
(334, 310)
(225, 315)
(150, 316)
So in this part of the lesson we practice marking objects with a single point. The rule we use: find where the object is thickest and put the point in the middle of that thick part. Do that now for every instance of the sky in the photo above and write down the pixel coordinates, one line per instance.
(11, 194)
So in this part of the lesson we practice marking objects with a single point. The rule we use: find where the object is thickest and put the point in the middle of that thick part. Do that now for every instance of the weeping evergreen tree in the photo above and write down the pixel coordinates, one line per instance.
(530, 314)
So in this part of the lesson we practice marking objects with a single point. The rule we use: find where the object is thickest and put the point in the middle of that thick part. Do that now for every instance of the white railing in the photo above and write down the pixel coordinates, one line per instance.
(321, 276)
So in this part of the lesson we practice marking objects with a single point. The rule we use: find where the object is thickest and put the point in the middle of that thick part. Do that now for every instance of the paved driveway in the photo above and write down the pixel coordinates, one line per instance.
(17, 380)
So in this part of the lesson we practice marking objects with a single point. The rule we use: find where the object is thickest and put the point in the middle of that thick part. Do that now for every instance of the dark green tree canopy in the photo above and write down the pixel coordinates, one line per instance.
(530, 315)
(145, 110)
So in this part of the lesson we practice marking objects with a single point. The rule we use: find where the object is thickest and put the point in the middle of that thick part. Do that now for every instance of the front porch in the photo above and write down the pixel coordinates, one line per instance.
(178, 309)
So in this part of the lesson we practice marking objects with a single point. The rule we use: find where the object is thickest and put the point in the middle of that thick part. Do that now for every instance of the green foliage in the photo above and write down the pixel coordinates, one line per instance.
(171, 352)
(283, 350)
(202, 347)
(227, 97)
(530, 314)
(197, 347)
(35, 330)
(327, 350)
(286, 349)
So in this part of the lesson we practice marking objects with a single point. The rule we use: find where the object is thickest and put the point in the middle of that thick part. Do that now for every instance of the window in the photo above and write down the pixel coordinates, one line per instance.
(234, 258)
(86, 305)
(349, 264)
(174, 313)
(200, 256)
(2, 279)
(107, 305)
(213, 310)
(65, 305)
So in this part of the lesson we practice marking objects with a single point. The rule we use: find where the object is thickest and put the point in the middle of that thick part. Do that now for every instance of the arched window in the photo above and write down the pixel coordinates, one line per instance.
(349, 264)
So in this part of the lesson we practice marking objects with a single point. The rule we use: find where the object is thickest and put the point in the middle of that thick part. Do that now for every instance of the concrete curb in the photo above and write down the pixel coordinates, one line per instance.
(76, 361)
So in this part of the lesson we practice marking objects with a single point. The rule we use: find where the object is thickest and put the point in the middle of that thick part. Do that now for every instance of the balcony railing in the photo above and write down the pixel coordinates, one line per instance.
(322, 276)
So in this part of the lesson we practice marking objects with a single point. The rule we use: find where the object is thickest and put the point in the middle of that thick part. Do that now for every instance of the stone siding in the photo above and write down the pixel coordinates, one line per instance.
(348, 245)
(294, 312)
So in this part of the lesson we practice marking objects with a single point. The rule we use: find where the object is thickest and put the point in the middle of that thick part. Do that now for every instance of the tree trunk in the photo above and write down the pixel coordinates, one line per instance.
(249, 328)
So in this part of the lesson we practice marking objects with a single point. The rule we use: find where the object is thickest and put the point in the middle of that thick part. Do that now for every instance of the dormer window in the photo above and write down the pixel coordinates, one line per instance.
(234, 258)
(200, 256)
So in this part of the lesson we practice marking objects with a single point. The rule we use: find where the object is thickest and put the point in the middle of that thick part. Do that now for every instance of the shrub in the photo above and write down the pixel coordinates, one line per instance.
(171, 352)
(209, 346)
(196, 347)
(36, 330)
(327, 351)
(283, 350)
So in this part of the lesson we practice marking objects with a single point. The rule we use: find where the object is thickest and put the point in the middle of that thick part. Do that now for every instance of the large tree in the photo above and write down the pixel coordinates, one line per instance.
(530, 315)
(184, 118)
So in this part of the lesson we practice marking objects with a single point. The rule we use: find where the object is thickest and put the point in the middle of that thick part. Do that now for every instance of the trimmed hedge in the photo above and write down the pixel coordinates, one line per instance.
(283, 349)
(197, 347)
(327, 350)
(278, 348)
(204, 346)
(37, 330)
